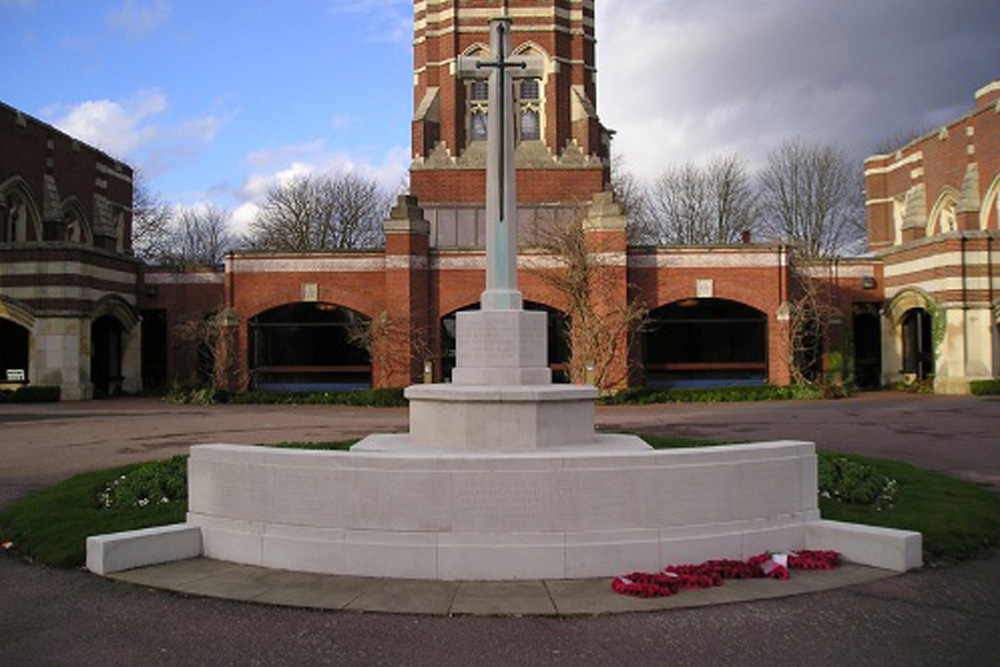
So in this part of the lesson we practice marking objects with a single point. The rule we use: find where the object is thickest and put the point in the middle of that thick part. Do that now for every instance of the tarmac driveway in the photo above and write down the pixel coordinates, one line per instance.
(932, 617)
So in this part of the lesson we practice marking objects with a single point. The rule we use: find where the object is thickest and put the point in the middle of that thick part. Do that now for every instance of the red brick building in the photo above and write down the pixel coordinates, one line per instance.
(68, 285)
(924, 305)
(933, 220)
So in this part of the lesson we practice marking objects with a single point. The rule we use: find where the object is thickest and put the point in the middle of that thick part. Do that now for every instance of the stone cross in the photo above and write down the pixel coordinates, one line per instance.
(501, 191)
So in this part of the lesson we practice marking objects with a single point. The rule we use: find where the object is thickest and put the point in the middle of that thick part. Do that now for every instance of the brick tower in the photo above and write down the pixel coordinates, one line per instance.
(561, 147)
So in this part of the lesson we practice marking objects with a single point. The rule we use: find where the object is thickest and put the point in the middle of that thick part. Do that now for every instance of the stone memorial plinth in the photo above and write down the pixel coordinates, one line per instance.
(501, 475)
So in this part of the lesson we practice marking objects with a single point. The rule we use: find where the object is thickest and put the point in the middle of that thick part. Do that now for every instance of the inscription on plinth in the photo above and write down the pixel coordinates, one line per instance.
(501, 339)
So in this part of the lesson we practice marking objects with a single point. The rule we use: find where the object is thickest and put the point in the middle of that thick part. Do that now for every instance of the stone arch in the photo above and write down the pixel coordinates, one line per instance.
(943, 217)
(991, 206)
(19, 212)
(115, 345)
(77, 227)
(118, 308)
(15, 311)
(906, 300)
(477, 49)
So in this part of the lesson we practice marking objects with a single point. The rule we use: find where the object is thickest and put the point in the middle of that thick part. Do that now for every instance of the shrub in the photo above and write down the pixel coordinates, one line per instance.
(985, 387)
(648, 395)
(376, 398)
(158, 482)
(856, 483)
(31, 394)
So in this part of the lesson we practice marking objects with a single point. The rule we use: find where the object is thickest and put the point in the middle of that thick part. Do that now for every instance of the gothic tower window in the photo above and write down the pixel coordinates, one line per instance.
(529, 112)
(16, 224)
(479, 93)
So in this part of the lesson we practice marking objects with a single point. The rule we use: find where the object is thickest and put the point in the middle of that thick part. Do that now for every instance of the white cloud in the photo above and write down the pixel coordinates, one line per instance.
(283, 164)
(133, 129)
(393, 19)
(136, 18)
(120, 128)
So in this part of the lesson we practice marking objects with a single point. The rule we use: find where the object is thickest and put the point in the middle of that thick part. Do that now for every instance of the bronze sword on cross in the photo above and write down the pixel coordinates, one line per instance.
(501, 195)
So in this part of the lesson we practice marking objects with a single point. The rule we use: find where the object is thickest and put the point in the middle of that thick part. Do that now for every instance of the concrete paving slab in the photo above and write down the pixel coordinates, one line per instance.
(407, 596)
(177, 573)
(516, 598)
(243, 582)
(503, 598)
(320, 592)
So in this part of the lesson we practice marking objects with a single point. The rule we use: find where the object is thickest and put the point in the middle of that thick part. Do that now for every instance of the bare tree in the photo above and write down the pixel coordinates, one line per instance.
(320, 213)
(601, 325)
(383, 337)
(812, 310)
(812, 197)
(712, 205)
(632, 196)
(151, 221)
(201, 237)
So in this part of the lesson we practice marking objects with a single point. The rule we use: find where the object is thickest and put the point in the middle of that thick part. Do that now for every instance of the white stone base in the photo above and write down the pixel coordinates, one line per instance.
(890, 549)
(583, 512)
(139, 548)
(501, 347)
(500, 418)
(591, 512)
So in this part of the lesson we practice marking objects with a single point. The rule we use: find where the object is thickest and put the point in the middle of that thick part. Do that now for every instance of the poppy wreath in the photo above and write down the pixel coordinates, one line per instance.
(712, 573)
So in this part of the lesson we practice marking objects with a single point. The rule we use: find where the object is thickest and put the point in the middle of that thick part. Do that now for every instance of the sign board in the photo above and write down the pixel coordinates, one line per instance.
(16, 375)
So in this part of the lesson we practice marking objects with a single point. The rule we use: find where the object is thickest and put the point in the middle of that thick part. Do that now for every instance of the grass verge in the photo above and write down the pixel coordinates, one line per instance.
(959, 520)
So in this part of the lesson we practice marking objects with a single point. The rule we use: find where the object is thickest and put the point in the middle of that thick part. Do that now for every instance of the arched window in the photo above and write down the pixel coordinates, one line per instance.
(19, 219)
(75, 227)
(529, 110)
(16, 222)
(705, 342)
(479, 94)
(944, 216)
(898, 217)
(308, 347)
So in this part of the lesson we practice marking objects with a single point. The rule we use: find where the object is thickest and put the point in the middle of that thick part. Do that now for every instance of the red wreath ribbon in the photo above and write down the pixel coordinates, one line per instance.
(713, 572)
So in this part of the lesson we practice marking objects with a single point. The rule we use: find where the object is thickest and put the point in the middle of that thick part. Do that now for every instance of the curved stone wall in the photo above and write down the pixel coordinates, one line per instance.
(432, 515)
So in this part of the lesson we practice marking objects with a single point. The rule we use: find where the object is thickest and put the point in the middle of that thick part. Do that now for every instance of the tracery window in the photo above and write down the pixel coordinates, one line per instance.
(16, 223)
(479, 93)
(529, 110)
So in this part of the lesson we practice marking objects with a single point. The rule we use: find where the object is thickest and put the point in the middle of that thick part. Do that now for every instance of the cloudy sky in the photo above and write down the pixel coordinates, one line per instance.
(216, 100)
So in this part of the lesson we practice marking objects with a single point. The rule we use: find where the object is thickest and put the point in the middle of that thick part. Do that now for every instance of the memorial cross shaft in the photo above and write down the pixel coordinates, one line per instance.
(501, 186)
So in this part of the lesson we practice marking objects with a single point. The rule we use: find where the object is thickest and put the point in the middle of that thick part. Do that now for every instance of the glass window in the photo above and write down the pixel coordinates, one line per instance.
(478, 122)
(530, 125)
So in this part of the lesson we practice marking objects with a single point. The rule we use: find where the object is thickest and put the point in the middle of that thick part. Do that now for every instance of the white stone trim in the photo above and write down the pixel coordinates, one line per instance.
(916, 157)
(840, 271)
(16, 268)
(310, 265)
(955, 283)
(406, 262)
(38, 292)
(705, 259)
(883, 200)
(459, 263)
(940, 261)
(988, 88)
(185, 278)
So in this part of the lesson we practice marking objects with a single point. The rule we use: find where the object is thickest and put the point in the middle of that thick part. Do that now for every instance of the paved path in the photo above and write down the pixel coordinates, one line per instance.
(941, 617)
